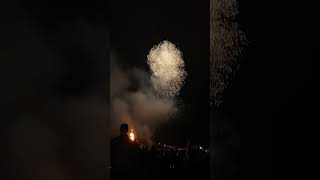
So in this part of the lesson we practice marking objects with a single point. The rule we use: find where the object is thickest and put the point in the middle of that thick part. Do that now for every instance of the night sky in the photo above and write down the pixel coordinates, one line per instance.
(55, 85)
(271, 96)
(139, 25)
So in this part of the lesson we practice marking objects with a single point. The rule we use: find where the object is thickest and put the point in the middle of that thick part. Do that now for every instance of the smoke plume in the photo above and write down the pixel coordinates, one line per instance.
(142, 100)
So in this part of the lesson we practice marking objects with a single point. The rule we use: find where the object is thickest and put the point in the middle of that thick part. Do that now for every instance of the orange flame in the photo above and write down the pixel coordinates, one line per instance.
(131, 135)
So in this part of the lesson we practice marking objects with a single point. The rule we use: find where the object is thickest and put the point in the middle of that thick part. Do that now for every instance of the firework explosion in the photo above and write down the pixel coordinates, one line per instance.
(141, 108)
(167, 67)
(226, 44)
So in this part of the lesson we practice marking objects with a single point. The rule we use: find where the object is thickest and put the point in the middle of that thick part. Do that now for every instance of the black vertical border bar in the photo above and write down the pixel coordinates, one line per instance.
(108, 103)
(108, 45)
(211, 106)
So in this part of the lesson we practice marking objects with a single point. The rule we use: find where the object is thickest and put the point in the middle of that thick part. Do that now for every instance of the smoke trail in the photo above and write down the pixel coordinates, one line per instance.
(167, 67)
(226, 45)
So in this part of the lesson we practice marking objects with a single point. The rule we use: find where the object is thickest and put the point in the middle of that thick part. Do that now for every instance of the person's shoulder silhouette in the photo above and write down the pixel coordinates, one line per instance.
(122, 149)
(122, 153)
(123, 139)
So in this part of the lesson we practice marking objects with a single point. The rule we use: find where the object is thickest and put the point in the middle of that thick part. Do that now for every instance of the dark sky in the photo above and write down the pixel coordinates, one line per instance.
(54, 89)
(272, 96)
(139, 25)
(54, 74)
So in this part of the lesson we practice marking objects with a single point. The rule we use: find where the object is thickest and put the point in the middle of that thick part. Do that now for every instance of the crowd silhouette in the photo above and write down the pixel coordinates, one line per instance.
(131, 160)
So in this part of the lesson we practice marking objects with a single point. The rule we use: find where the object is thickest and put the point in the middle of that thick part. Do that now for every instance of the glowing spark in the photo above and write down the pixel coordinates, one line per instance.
(167, 67)
(226, 45)
(131, 135)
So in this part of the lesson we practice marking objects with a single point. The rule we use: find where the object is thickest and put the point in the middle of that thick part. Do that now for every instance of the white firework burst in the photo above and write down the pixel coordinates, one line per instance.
(167, 67)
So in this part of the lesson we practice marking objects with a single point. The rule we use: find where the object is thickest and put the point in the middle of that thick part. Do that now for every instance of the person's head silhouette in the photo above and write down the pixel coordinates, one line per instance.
(124, 129)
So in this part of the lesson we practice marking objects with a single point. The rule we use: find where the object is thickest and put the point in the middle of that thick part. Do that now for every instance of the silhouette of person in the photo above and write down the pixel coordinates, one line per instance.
(122, 155)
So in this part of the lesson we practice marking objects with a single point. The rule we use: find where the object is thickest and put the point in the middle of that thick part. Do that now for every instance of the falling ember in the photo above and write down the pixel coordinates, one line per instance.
(227, 42)
(131, 135)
